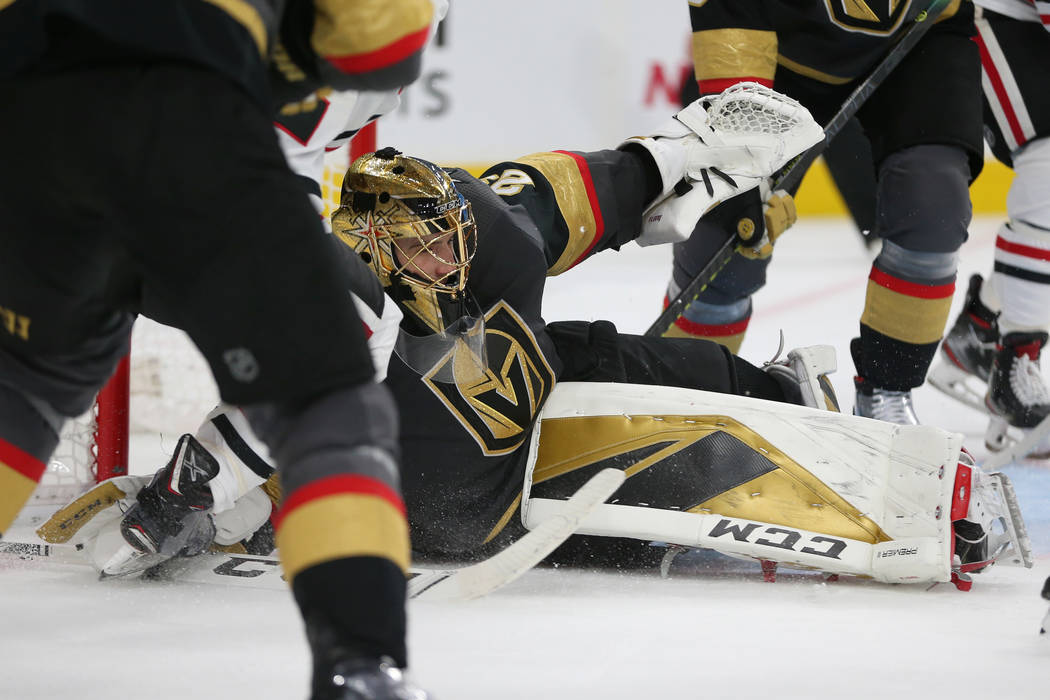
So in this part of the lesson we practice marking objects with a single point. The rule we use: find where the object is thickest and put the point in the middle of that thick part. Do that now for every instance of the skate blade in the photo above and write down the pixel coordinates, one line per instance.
(1029, 446)
(128, 561)
(1020, 551)
(959, 385)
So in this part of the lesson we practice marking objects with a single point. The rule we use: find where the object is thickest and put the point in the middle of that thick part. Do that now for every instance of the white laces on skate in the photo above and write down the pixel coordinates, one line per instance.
(1026, 381)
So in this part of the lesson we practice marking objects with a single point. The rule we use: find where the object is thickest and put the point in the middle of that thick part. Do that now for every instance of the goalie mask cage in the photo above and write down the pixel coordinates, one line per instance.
(162, 389)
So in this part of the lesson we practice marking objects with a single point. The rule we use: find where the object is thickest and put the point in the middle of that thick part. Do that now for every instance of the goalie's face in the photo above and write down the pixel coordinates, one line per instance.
(408, 221)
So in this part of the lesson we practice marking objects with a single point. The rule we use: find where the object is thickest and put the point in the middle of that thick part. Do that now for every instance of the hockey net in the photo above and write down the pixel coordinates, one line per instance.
(163, 389)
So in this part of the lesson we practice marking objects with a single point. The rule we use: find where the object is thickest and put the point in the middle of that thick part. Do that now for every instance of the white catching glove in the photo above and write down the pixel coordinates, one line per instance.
(717, 148)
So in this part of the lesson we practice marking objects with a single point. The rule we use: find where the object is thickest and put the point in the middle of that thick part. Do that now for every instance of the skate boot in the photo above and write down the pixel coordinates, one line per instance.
(804, 376)
(344, 673)
(1017, 396)
(884, 404)
(967, 351)
(170, 517)
(364, 678)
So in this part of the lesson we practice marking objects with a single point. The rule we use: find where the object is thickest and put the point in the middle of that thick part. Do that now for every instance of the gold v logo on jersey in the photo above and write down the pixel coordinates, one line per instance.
(879, 17)
(498, 408)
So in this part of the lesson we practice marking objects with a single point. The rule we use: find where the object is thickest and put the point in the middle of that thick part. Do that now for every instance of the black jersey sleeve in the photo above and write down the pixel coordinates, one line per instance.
(581, 203)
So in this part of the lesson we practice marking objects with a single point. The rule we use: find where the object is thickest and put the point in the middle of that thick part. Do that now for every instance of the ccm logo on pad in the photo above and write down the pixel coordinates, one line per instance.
(779, 537)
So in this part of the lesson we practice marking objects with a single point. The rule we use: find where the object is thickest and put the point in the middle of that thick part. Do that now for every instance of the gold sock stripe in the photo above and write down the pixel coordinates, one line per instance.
(15, 490)
(342, 525)
(903, 317)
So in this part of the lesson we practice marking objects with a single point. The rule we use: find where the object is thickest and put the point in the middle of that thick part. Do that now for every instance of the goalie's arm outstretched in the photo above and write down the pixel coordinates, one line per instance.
(705, 162)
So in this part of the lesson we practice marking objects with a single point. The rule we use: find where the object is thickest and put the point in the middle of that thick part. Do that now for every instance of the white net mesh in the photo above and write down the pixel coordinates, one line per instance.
(749, 108)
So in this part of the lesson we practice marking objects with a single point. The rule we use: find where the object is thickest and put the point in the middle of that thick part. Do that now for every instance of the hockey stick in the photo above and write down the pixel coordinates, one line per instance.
(791, 175)
(464, 583)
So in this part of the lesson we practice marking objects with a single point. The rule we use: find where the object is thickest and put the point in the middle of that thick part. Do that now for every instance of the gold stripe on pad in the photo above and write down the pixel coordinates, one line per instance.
(563, 175)
(792, 496)
(734, 53)
(248, 16)
(341, 526)
(15, 490)
(345, 28)
(788, 495)
(905, 318)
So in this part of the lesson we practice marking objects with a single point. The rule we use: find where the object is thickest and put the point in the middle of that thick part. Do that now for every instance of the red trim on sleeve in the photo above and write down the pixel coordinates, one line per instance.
(21, 461)
(384, 57)
(592, 198)
(337, 485)
(1027, 251)
(922, 291)
(716, 85)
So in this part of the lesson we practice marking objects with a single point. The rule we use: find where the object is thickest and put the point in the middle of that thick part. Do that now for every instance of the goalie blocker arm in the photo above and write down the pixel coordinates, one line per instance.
(579, 203)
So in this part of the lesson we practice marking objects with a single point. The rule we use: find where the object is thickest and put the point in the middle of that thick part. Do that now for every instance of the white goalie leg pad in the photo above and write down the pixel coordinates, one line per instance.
(843, 494)
(235, 478)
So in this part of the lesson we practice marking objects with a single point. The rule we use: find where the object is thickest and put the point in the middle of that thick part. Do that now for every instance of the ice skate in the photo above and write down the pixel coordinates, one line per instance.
(884, 404)
(966, 354)
(1017, 398)
(804, 376)
(364, 678)
(170, 517)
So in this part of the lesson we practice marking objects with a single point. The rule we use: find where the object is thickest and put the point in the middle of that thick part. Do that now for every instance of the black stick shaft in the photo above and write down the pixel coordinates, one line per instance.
(791, 175)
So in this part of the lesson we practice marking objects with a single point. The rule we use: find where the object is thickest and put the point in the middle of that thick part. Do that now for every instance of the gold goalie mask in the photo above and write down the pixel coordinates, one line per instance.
(409, 223)
(407, 220)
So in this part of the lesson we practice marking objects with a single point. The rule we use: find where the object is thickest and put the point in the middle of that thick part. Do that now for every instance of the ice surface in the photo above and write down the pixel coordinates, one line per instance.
(713, 630)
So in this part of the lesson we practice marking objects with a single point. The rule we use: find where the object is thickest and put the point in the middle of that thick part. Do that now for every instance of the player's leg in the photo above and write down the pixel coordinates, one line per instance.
(267, 306)
(925, 164)
(596, 352)
(59, 338)
(1017, 113)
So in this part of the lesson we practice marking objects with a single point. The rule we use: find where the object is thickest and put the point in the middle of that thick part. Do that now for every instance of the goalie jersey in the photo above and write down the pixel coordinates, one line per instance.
(465, 444)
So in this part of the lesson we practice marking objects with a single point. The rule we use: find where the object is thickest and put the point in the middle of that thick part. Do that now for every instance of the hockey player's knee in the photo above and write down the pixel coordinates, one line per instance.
(34, 425)
(350, 430)
(924, 198)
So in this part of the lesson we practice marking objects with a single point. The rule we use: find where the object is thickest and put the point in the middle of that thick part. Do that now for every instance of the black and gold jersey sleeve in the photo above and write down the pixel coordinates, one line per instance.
(581, 203)
(311, 44)
(350, 45)
(830, 42)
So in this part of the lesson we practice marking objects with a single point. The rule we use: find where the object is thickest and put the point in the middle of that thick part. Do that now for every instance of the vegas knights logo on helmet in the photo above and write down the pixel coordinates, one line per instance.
(407, 220)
